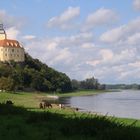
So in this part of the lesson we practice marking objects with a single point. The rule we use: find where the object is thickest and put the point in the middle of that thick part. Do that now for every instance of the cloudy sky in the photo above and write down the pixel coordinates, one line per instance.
(82, 38)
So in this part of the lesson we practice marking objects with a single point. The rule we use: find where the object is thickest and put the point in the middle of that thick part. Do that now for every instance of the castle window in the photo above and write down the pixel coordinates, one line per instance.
(5, 54)
(16, 44)
(7, 43)
(12, 50)
(11, 44)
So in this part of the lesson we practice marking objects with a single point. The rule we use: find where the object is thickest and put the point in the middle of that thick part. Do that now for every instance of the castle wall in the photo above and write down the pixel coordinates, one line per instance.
(11, 53)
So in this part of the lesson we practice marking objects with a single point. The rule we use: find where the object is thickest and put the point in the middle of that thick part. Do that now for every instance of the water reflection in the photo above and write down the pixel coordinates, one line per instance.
(121, 104)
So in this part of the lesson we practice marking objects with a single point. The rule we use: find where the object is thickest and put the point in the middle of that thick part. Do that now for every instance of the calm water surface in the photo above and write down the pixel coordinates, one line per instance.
(125, 104)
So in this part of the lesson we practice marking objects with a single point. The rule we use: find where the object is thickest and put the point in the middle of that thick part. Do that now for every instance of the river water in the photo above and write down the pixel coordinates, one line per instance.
(125, 104)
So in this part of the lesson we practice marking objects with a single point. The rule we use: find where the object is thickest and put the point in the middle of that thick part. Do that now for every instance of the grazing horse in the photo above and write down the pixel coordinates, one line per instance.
(76, 109)
(46, 104)
(9, 102)
(41, 105)
(61, 106)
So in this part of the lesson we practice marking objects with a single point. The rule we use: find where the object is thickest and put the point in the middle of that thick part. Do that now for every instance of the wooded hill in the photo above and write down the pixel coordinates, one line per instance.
(32, 75)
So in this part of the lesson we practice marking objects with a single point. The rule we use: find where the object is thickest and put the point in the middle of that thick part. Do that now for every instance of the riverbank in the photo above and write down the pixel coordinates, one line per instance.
(24, 120)
(30, 99)
(61, 124)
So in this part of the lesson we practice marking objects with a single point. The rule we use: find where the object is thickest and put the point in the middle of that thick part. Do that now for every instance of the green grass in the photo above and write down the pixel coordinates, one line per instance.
(31, 99)
(81, 93)
(25, 99)
(19, 123)
(26, 121)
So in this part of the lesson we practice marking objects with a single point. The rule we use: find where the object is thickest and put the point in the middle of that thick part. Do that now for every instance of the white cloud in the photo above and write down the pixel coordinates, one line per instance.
(109, 58)
(29, 37)
(12, 24)
(100, 18)
(122, 33)
(74, 40)
(64, 56)
(135, 64)
(12, 33)
(136, 4)
(106, 54)
(49, 51)
(52, 46)
(10, 21)
(93, 62)
(88, 45)
(64, 20)
(121, 65)
(113, 35)
(134, 39)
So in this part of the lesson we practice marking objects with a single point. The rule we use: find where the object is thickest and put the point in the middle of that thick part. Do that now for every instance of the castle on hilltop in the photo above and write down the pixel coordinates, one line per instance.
(10, 50)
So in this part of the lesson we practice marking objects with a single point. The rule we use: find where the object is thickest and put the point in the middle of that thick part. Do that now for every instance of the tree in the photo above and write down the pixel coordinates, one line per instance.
(90, 83)
(75, 84)
(7, 84)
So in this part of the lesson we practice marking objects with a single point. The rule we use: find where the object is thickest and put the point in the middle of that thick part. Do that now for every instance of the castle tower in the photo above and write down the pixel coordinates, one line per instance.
(10, 50)
(2, 32)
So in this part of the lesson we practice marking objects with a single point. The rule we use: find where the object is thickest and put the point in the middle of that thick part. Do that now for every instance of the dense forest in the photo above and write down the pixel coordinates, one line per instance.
(32, 75)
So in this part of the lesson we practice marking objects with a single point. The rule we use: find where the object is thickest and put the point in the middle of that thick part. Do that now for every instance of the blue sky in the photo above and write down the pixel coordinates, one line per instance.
(99, 38)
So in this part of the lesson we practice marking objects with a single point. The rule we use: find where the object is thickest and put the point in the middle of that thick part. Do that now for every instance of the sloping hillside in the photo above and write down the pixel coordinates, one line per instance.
(32, 75)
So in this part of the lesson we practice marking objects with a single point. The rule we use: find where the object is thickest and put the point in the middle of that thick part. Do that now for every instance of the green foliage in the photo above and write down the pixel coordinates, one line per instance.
(90, 83)
(19, 123)
(7, 83)
(32, 75)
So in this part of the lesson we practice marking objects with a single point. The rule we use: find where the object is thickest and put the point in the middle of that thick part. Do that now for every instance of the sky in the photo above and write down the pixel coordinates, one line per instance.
(82, 38)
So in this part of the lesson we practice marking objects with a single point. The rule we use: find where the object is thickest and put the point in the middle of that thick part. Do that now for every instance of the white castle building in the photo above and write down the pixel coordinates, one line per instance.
(10, 49)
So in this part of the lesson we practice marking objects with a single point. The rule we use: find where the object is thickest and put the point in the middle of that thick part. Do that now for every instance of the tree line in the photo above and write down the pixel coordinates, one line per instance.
(89, 83)
(123, 86)
(33, 75)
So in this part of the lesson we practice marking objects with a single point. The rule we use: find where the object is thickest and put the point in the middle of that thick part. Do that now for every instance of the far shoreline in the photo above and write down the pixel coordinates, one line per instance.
(82, 93)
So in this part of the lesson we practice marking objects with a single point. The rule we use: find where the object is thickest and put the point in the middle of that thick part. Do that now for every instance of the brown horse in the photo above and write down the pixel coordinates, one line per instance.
(46, 104)
(41, 105)
(9, 102)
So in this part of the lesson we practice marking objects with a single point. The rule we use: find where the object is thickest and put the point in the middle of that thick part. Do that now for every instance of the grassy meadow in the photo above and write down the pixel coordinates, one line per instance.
(25, 121)
(32, 99)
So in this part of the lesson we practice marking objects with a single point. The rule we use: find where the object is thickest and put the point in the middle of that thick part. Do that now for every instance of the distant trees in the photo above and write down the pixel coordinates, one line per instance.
(123, 86)
(90, 83)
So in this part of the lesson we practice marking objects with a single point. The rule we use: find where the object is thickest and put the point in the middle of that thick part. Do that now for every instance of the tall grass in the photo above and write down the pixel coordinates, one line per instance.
(18, 123)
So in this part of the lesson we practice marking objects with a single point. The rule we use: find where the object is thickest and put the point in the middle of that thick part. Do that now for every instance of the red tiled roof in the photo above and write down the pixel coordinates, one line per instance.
(9, 43)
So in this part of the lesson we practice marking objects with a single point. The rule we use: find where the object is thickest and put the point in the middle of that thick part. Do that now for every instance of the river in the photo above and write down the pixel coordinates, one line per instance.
(124, 104)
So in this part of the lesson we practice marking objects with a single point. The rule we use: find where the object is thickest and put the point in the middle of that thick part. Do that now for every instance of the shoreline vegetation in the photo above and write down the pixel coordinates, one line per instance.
(25, 120)
(81, 93)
